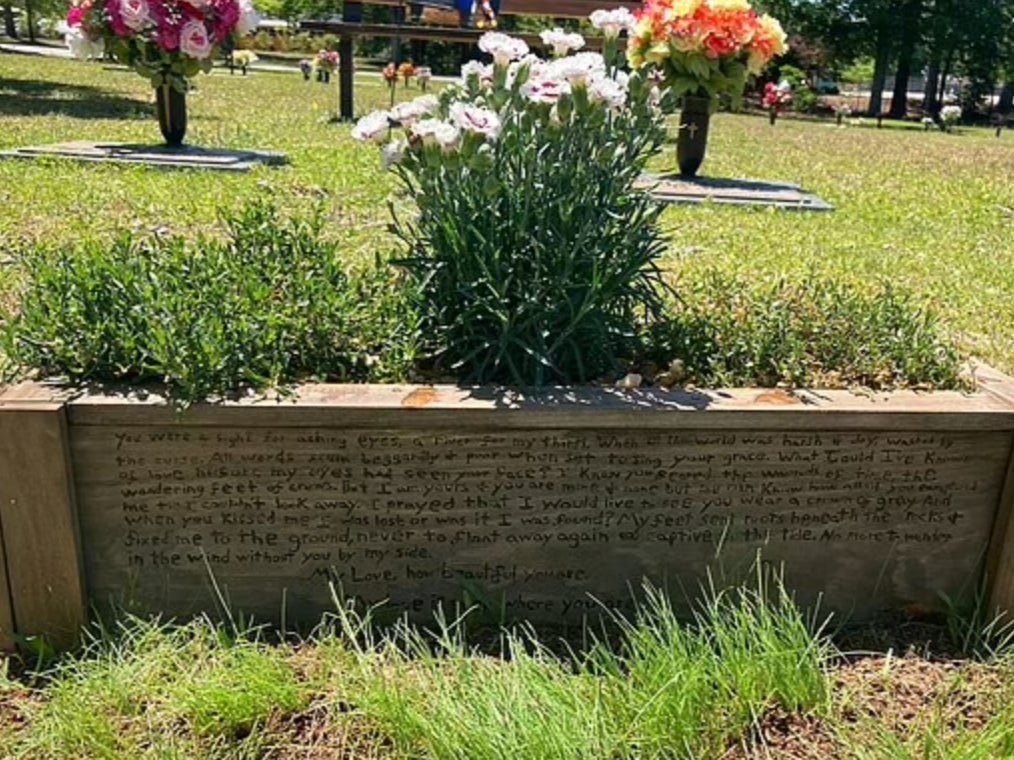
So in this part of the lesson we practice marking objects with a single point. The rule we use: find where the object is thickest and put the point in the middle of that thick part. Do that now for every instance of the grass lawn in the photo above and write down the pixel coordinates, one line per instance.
(929, 212)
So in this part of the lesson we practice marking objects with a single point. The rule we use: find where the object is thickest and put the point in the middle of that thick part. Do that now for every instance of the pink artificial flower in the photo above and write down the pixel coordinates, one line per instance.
(75, 15)
(226, 18)
(135, 14)
(194, 40)
(119, 28)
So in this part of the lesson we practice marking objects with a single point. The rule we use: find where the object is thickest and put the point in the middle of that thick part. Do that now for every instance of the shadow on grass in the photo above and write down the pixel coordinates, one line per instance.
(36, 97)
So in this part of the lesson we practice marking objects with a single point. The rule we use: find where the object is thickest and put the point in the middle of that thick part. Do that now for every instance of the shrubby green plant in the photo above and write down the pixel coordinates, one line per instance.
(814, 331)
(269, 303)
(532, 254)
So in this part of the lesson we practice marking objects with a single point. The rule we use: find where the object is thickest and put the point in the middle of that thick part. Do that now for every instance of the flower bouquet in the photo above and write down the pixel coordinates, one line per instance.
(702, 49)
(776, 98)
(326, 63)
(406, 71)
(165, 41)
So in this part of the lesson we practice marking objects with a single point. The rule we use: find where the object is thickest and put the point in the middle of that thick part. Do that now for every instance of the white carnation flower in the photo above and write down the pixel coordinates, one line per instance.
(562, 42)
(481, 121)
(502, 47)
(545, 90)
(436, 132)
(480, 71)
(373, 127)
(408, 113)
(608, 91)
(578, 69)
(611, 23)
(392, 154)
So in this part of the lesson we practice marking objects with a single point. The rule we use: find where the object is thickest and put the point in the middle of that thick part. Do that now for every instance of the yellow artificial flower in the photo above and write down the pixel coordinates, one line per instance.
(729, 5)
(686, 7)
(635, 56)
(657, 52)
(771, 27)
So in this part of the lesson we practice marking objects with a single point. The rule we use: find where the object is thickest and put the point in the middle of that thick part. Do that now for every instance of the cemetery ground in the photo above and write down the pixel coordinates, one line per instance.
(928, 212)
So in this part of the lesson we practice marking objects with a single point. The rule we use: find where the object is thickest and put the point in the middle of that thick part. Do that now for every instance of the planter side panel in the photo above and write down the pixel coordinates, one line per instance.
(534, 522)
(40, 531)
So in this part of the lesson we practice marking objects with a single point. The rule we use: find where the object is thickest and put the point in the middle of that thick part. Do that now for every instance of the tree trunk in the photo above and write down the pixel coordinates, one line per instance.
(30, 21)
(880, 62)
(10, 29)
(930, 102)
(944, 76)
(911, 15)
(1006, 102)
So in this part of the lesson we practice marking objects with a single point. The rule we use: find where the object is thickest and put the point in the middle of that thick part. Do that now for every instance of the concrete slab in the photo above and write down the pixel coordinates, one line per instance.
(672, 188)
(158, 156)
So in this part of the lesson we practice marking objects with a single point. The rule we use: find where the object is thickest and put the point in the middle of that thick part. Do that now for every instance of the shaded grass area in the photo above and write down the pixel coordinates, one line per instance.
(748, 676)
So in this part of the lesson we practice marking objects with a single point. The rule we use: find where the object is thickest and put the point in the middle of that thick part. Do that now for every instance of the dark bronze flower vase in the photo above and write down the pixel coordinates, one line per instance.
(692, 141)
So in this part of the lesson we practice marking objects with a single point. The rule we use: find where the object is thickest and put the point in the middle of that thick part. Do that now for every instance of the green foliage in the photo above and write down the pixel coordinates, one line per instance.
(665, 689)
(271, 303)
(533, 257)
(151, 690)
(814, 331)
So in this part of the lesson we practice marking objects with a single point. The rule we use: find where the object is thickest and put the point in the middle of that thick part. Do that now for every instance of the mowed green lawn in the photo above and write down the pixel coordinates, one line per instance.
(930, 212)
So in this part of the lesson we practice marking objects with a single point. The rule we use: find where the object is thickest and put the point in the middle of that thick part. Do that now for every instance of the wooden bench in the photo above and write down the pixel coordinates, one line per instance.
(352, 26)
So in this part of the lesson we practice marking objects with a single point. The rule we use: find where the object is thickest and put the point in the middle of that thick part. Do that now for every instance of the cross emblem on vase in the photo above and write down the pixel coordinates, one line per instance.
(692, 129)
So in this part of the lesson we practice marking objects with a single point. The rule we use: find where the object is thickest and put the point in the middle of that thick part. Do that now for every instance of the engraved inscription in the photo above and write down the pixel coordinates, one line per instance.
(537, 520)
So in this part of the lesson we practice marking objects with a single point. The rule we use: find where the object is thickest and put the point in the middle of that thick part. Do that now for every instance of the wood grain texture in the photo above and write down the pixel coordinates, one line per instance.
(423, 407)
(38, 519)
(6, 610)
(538, 520)
(1000, 560)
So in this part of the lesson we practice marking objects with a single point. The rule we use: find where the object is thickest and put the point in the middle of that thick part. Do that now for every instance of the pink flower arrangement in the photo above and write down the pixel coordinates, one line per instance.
(327, 60)
(776, 97)
(166, 41)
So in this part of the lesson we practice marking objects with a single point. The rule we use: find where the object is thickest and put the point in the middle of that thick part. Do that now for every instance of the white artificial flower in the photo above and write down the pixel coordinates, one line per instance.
(611, 23)
(950, 114)
(136, 15)
(545, 90)
(83, 47)
(392, 154)
(502, 47)
(481, 121)
(408, 113)
(577, 69)
(249, 18)
(562, 42)
(622, 79)
(608, 91)
(373, 127)
(436, 132)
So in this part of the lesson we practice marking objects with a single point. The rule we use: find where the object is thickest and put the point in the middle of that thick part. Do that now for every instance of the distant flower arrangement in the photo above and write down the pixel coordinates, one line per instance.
(704, 47)
(950, 115)
(327, 60)
(165, 41)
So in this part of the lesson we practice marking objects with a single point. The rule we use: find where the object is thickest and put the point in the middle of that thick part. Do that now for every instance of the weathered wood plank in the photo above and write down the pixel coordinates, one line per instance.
(1000, 560)
(6, 611)
(39, 523)
(537, 518)
(560, 8)
(380, 406)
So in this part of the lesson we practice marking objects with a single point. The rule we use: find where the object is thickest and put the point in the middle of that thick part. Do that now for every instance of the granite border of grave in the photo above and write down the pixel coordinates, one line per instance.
(43, 585)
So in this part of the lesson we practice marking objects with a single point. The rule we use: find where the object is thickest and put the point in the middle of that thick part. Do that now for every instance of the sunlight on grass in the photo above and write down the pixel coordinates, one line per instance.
(928, 211)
